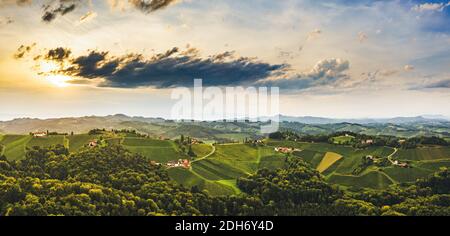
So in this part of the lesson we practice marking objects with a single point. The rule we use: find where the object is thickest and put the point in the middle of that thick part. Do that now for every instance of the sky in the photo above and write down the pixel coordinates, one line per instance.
(340, 59)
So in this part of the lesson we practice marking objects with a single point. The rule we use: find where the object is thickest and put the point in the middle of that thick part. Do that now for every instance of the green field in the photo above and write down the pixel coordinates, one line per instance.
(230, 183)
(156, 150)
(242, 156)
(313, 153)
(423, 153)
(212, 169)
(217, 167)
(14, 146)
(373, 179)
(232, 161)
(47, 141)
(312, 157)
(434, 165)
(77, 141)
(272, 162)
(220, 170)
(407, 174)
(342, 139)
(336, 162)
(188, 179)
(202, 150)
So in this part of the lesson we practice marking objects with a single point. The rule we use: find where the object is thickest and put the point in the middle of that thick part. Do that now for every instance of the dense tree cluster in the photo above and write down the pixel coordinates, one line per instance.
(113, 181)
(361, 140)
(416, 141)
(96, 131)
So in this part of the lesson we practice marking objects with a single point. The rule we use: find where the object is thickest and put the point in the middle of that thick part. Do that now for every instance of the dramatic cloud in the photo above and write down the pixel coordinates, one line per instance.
(325, 72)
(170, 69)
(430, 7)
(23, 50)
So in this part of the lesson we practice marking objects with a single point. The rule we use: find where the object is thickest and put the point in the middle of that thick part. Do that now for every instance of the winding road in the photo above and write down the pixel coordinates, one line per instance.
(208, 155)
(392, 154)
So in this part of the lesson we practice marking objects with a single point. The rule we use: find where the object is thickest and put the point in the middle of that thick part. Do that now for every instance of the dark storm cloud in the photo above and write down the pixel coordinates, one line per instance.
(170, 69)
(325, 72)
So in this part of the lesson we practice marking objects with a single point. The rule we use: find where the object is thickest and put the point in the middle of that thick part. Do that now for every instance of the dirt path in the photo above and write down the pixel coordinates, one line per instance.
(392, 154)
(208, 155)
(387, 176)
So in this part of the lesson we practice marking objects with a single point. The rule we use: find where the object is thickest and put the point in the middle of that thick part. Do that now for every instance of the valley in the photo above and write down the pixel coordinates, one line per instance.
(349, 160)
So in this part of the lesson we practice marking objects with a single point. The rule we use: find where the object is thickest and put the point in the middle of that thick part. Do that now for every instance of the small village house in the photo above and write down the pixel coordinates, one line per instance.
(368, 141)
(39, 134)
(183, 163)
(286, 150)
(93, 144)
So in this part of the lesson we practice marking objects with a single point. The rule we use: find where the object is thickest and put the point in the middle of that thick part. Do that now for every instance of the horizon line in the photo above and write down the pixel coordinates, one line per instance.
(425, 116)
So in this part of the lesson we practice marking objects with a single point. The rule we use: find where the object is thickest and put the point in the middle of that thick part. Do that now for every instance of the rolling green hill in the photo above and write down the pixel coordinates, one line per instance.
(342, 139)
(311, 157)
(236, 160)
(424, 153)
(428, 160)
(202, 150)
(14, 146)
(77, 141)
(272, 162)
(373, 179)
(47, 141)
(156, 150)
(403, 175)
(189, 179)
(215, 168)
(434, 165)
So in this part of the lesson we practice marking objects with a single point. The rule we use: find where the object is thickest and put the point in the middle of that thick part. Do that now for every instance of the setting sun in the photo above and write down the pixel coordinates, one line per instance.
(46, 67)
(58, 80)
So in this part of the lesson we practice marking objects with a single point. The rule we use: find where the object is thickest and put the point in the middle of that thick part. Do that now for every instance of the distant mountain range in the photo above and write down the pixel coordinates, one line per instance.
(399, 126)
(395, 120)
